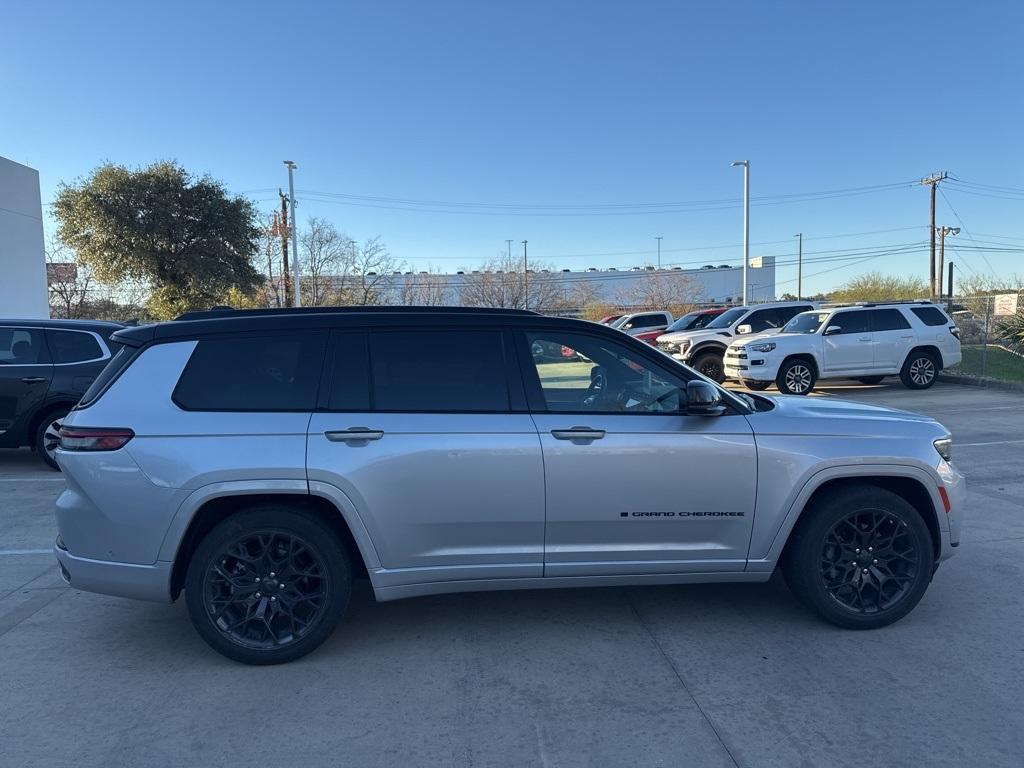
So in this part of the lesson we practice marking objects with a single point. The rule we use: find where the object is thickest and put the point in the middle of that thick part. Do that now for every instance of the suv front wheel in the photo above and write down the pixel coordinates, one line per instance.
(711, 365)
(861, 558)
(796, 377)
(268, 585)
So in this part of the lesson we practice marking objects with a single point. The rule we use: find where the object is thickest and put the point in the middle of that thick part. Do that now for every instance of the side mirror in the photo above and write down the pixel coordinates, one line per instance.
(832, 330)
(703, 399)
(743, 329)
(627, 326)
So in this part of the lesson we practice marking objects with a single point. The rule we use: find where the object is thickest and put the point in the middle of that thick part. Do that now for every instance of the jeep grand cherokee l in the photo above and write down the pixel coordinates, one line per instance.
(258, 461)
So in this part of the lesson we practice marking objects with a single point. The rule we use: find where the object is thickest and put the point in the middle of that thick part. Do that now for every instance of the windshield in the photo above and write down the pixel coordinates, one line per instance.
(805, 322)
(726, 319)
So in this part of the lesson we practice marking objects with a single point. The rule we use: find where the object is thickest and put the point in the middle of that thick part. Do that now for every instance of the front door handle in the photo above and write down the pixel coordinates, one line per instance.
(864, 338)
(578, 433)
(33, 379)
(353, 434)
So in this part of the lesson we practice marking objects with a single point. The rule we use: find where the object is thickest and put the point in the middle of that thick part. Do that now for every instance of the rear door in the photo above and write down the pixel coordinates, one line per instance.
(634, 485)
(25, 375)
(427, 434)
(849, 350)
(892, 338)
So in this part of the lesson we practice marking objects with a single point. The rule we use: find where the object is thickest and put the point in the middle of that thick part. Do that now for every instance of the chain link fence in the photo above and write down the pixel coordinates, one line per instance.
(992, 337)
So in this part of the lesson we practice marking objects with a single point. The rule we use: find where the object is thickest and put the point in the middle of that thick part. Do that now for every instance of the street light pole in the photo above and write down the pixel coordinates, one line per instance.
(658, 238)
(800, 266)
(296, 294)
(746, 222)
(943, 231)
(526, 280)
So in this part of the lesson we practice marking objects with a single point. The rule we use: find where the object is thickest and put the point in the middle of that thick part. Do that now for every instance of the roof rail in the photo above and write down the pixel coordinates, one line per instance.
(899, 301)
(220, 312)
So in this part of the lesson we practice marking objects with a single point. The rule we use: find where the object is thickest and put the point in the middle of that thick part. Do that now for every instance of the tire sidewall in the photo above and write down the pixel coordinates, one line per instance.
(780, 380)
(908, 382)
(705, 357)
(299, 522)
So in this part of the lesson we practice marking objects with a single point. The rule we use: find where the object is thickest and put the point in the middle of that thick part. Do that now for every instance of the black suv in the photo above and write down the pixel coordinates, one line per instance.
(45, 368)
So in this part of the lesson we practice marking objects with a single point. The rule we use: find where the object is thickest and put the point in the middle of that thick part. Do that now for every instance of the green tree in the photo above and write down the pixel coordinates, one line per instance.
(874, 286)
(185, 237)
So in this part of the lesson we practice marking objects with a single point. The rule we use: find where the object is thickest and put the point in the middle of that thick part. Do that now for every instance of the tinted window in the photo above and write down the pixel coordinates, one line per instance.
(600, 376)
(646, 321)
(438, 371)
(350, 373)
(850, 322)
(930, 315)
(788, 313)
(73, 346)
(888, 320)
(252, 373)
(727, 318)
(763, 319)
(110, 371)
(22, 346)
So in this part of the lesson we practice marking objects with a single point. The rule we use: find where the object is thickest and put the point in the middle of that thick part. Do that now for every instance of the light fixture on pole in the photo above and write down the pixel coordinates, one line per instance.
(296, 297)
(746, 222)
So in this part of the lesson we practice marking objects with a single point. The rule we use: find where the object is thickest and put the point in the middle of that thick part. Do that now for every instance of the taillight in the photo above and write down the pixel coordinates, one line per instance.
(955, 331)
(93, 438)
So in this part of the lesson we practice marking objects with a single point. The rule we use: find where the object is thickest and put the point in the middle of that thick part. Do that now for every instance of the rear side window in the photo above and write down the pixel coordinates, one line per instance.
(110, 371)
(73, 346)
(763, 319)
(252, 373)
(438, 371)
(22, 346)
(888, 320)
(930, 315)
(788, 313)
(350, 373)
(646, 321)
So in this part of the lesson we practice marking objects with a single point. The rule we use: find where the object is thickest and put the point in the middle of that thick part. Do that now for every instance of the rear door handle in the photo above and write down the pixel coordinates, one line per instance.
(34, 379)
(578, 433)
(353, 434)
(864, 338)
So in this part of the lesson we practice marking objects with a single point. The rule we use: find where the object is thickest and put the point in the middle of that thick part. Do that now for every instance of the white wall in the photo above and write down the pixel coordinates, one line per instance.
(22, 257)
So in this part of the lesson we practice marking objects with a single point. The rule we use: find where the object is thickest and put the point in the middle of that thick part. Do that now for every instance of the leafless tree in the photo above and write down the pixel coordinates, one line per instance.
(424, 289)
(68, 282)
(324, 253)
(502, 282)
(656, 290)
(368, 278)
(270, 261)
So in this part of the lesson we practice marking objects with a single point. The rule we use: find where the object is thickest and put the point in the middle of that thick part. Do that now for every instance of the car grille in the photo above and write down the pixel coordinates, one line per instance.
(736, 354)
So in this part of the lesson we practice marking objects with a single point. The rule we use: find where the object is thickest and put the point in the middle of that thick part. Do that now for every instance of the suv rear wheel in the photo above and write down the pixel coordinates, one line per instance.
(861, 558)
(920, 370)
(268, 585)
(796, 377)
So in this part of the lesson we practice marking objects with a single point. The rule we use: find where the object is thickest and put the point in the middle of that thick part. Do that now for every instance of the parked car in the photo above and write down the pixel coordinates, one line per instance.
(45, 367)
(609, 319)
(691, 321)
(704, 349)
(640, 322)
(258, 461)
(914, 340)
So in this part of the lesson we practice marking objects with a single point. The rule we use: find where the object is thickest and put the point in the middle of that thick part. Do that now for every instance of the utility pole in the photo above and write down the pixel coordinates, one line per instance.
(800, 266)
(283, 231)
(509, 242)
(526, 280)
(933, 182)
(943, 231)
(297, 298)
(658, 238)
(746, 222)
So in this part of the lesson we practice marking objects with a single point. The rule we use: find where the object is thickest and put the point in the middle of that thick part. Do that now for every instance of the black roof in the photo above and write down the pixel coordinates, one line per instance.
(99, 326)
(196, 324)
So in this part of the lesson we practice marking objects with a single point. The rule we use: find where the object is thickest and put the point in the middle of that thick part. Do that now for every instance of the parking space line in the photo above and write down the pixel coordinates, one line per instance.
(31, 479)
(7, 552)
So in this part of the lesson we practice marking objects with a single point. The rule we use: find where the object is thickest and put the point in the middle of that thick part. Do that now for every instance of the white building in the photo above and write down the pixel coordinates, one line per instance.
(22, 255)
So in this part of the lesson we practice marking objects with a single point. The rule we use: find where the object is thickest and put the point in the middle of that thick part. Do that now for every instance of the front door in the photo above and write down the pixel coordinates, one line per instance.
(634, 485)
(25, 374)
(417, 428)
(848, 349)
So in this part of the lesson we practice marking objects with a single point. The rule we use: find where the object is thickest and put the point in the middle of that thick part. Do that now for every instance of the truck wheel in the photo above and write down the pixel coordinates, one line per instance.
(268, 585)
(757, 386)
(796, 377)
(710, 364)
(861, 558)
(920, 370)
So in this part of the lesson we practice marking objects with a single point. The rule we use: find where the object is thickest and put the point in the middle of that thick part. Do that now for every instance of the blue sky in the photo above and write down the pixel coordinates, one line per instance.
(549, 104)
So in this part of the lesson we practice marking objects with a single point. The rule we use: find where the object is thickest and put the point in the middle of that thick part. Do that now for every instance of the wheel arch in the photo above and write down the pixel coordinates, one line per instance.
(807, 357)
(933, 350)
(217, 507)
(707, 346)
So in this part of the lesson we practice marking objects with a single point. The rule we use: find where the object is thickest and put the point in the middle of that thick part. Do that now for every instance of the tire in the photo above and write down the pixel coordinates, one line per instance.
(920, 370)
(796, 377)
(711, 365)
(757, 386)
(224, 588)
(826, 558)
(46, 437)
(870, 379)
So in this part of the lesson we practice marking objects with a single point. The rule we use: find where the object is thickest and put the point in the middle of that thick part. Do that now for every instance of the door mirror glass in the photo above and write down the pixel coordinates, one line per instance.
(703, 399)
(832, 330)
(743, 329)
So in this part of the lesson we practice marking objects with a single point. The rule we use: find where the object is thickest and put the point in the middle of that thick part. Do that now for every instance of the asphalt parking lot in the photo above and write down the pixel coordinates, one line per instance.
(657, 676)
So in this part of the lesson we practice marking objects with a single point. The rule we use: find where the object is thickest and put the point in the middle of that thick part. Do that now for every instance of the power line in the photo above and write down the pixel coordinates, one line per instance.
(965, 230)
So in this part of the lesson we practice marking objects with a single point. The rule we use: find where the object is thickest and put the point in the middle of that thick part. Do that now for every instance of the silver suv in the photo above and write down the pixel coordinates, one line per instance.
(259, 461)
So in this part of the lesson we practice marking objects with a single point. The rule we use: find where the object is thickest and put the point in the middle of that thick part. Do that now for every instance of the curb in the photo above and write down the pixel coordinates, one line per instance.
(979, 381)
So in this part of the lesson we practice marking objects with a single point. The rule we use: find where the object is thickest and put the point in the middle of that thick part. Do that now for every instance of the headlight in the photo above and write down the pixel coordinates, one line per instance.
(944, 445)
(767, 346)
(683, 346)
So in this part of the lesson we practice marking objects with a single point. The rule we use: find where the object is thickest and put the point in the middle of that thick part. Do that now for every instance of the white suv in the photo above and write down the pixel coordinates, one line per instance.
(867, 342)
(703, 348)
